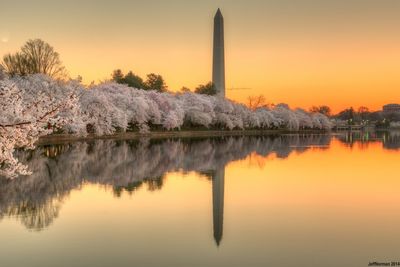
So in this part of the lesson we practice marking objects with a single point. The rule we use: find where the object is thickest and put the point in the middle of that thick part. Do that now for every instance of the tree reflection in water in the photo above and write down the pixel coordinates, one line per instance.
(389, 139)
(127, 165)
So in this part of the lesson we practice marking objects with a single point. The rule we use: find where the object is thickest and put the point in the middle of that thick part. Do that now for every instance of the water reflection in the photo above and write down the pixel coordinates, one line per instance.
(126, 166)
(389, 139)
(218, 187)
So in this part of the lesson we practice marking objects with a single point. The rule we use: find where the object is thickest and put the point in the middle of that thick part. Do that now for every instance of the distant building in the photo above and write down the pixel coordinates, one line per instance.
(391, 108)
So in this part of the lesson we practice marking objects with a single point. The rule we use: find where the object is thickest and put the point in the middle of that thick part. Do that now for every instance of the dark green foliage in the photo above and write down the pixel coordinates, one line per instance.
(130, 79)
(133, 80)
(153, 82)
(207, 89)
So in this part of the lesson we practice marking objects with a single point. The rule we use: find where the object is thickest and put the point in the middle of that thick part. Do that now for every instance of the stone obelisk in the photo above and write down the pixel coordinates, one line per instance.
(218, 73)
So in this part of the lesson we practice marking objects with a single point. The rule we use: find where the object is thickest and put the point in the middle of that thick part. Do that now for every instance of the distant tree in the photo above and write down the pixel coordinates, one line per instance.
(325, 110)
(207, 89)
(118, 76)
(133, 80)
(282, 106)
(363, 112)
(185, 89)
(375, 116)
(314, 109)
(155, 82)
(347, 114)
(255, 102)
(321, 109)
(130, 79)
(36, 56)
(363, 109)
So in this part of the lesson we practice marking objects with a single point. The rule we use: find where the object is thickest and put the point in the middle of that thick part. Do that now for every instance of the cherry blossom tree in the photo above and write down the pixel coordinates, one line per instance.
(110, 107)
(27, 111)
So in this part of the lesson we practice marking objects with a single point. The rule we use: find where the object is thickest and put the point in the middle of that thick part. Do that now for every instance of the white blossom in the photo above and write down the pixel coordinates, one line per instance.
(42, 106)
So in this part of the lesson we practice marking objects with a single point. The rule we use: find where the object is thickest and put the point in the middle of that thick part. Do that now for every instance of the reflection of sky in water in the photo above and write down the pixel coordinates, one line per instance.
(264, 210)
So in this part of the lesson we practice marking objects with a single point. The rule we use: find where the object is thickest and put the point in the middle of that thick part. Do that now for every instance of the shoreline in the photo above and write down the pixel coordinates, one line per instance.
(67, 138)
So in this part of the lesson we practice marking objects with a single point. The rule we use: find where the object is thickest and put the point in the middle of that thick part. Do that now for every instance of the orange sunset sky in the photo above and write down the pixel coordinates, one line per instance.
(301, 52)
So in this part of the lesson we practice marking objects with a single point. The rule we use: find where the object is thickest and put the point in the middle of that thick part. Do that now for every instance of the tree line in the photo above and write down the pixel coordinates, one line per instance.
(37, 56)
(153, 81)
(156, 82)
(362, 115)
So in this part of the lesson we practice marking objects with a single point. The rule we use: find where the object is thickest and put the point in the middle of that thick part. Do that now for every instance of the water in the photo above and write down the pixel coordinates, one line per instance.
(297, 200)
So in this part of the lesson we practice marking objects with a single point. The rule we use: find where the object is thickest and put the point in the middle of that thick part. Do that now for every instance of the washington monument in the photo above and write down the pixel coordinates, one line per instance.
(218, 73)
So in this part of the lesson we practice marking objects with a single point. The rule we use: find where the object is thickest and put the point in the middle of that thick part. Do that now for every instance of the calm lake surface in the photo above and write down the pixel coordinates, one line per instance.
(294, 200)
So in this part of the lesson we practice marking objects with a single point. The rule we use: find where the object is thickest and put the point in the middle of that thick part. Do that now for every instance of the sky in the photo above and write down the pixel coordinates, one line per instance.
(339, 53)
